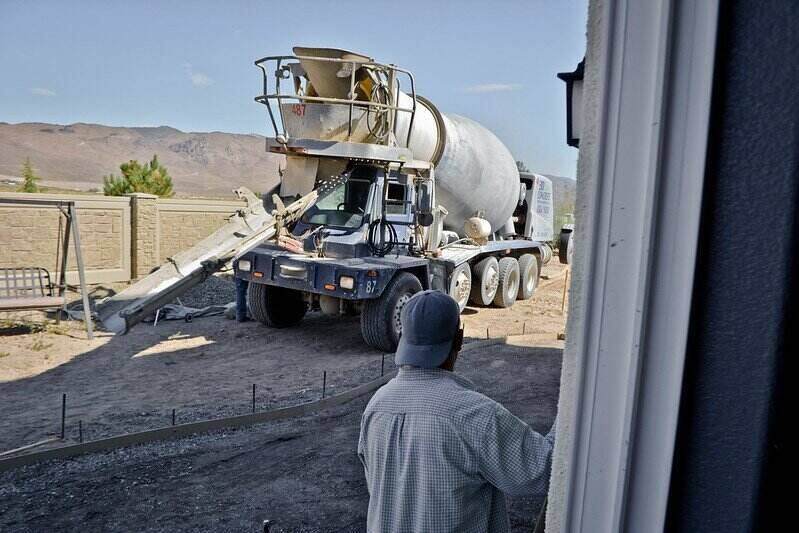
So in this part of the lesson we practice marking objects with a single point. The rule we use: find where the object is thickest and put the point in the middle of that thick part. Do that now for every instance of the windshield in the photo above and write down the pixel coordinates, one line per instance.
(344, 206)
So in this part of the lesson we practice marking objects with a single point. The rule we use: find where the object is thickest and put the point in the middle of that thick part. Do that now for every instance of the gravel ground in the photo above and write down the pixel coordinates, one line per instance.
(216, 290)
(303, 474)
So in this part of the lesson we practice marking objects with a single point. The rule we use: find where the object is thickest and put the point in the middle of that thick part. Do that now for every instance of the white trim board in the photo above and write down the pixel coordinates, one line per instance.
(649, 74)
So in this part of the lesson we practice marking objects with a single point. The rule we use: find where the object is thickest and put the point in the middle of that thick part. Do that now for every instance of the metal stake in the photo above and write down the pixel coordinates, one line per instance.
(63, 414)
(173, 417)
(382, 364)
(524, 324)
(324, 383)
(253, 397)
(487, 337)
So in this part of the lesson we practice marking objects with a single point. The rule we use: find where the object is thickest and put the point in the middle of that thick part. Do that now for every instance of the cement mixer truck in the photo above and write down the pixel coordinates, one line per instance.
(405, 198)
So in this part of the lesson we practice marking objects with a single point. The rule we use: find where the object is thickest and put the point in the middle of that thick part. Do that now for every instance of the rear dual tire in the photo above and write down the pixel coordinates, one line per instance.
(485, 280)
(528, 275)
(508, 288)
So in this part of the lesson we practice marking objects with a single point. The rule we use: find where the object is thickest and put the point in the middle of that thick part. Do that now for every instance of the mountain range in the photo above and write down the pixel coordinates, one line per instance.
(77, 156)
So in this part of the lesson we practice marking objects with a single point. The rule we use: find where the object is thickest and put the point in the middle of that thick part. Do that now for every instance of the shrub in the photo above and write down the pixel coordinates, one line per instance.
(30, 179)
(150, 178)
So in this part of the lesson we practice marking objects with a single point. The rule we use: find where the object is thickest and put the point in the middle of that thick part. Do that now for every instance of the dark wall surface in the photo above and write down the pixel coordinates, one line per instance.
(730, 453)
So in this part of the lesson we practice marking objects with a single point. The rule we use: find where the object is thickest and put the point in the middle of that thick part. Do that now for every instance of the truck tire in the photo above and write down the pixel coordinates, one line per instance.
(277, 307)
(380, 318)
(485, 279)
(508, 287)
(528, 276)
(460, 285)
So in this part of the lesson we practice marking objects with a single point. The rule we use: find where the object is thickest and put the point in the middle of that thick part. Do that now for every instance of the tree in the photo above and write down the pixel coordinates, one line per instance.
(151, 178)
(29, 177)
(522, 167)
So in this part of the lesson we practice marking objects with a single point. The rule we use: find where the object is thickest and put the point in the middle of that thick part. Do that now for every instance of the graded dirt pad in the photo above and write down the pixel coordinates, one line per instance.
(302, 474)
(206, 368)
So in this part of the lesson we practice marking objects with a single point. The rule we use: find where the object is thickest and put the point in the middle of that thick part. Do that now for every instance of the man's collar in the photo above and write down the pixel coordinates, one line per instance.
(419, 373)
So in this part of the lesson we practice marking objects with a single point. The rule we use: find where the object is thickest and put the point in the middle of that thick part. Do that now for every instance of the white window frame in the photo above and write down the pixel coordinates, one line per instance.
(647, 95)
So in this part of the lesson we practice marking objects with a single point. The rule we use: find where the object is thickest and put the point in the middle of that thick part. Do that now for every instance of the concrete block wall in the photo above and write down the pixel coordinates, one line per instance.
(123, 238)
(29, 235)
(183, 223)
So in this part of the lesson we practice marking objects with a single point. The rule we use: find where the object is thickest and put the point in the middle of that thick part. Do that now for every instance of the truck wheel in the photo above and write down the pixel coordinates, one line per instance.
(460, 285)
(528, 274)
(508, 287)
(277, 307)
(485, 278)
(380, 318)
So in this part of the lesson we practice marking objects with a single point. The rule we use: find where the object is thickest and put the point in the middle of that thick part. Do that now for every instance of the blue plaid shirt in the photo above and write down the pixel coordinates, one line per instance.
(440, 456)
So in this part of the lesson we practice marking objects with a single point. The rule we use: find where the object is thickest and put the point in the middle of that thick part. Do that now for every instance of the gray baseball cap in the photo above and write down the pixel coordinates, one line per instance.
(430, 321)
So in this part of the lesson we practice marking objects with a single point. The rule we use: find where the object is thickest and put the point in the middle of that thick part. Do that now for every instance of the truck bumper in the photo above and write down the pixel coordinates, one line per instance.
(321, 275)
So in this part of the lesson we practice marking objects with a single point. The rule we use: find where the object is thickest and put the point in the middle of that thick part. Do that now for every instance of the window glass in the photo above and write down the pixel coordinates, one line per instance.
(344, 206)
(396, 193)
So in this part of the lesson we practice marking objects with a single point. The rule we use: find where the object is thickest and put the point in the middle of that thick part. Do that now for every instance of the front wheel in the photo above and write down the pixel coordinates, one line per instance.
(277, 307)
(380, 318)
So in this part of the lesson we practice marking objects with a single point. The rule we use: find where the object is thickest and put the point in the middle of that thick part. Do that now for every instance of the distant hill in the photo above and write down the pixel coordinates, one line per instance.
(564, 193)
(79, 155)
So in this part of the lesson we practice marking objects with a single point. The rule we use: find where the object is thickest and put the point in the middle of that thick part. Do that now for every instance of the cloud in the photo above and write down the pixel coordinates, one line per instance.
(198, 79)
(40, 91)
(492, 88)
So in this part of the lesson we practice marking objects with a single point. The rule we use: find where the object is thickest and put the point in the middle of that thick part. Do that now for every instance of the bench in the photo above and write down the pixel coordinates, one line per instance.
(28, 288)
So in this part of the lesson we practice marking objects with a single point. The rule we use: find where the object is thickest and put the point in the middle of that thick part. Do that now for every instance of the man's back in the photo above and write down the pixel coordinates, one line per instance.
(439, 455)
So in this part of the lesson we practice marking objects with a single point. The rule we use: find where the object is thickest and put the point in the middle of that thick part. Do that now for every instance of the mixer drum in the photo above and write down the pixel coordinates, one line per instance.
(475, 172)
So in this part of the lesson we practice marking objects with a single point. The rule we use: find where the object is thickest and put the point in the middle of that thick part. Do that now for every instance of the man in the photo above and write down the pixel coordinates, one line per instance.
(439, 456)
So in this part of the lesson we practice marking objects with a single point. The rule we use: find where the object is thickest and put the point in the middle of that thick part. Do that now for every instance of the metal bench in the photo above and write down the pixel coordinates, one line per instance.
(28, 288)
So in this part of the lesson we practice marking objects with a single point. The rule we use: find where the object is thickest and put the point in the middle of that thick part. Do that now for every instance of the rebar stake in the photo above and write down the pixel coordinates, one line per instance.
(63, 415)
(382, 364)
(173, 417)
(324, 382)
(253, 397)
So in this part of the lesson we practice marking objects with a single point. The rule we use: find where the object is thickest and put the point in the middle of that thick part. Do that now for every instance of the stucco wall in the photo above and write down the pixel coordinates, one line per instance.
(570, 372)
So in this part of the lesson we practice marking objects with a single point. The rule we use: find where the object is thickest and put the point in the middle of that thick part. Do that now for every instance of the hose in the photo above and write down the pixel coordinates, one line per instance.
(373, 242)
(378, 127)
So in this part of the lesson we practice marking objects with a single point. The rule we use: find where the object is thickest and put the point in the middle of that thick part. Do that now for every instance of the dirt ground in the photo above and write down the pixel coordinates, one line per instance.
(301, 473)
(206, 368)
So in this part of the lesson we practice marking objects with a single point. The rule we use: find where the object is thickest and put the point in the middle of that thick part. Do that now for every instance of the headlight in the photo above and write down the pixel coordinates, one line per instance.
(346, 282)
(244, 265)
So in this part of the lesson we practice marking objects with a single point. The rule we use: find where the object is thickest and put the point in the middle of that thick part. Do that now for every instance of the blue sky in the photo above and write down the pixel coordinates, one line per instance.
(190, 64)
